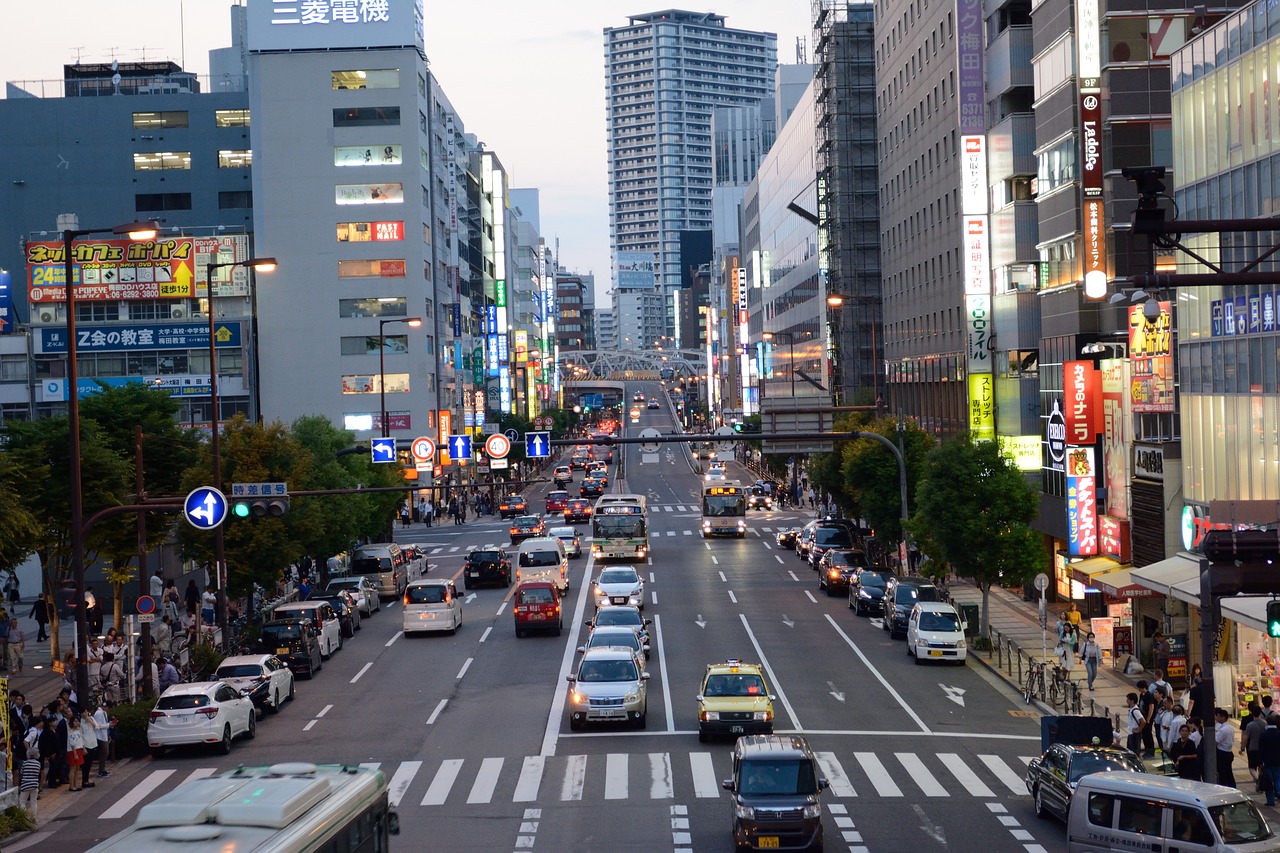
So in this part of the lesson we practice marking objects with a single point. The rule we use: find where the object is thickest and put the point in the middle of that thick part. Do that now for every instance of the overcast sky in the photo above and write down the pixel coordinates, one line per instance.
(527, 77)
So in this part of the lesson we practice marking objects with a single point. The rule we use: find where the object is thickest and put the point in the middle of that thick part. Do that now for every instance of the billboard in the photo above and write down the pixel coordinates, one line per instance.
(111, 270)
(982, 406)
(1115, 436)
(1151, 355)
(1081, 396)
(334, 24)
(1082, 503)
(971, 88)
(636, 270)
(134, 337)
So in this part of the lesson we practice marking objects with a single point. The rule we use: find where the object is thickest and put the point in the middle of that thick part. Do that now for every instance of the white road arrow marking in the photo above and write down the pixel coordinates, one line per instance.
(831, 688)
(955, 694)
(700, 622)
(790, 623)
(930, 828)
(472, 597)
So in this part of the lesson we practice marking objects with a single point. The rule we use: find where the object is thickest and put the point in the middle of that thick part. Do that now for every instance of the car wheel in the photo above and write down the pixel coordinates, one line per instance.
(224, 745)
(466, 583)
(291, 683)
(703, 737)
(575, 725)
(642, 719)
(559, 627)
(253, 725)
(519, 632)
(1038, 804)
(339, 644)
(274, 707)
(157, 753)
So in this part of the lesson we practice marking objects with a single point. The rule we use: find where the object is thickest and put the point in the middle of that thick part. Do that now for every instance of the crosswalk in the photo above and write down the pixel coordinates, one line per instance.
(655, 776)
(462, 550)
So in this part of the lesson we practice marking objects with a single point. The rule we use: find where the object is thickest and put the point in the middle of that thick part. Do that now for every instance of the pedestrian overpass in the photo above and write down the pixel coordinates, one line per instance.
(621, 365)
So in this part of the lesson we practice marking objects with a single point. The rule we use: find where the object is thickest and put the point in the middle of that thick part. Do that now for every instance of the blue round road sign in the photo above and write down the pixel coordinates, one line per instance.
(146, 604)
(513, 436)
(205, 508)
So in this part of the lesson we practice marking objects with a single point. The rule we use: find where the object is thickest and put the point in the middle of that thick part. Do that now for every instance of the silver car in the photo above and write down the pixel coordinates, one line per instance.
(362, 589)
(620, 636)
(569, 536)
(620, 585)
(609, 686)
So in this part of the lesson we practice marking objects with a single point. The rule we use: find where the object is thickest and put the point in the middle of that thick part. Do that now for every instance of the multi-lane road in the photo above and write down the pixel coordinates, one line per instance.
(471, 733)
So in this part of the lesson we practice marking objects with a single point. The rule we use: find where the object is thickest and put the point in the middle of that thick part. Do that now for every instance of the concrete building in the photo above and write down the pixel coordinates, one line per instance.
(606, 330)
(665, 74)
(575, 314)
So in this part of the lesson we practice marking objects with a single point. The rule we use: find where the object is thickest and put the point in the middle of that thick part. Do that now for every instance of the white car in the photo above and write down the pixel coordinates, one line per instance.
(211, 712)
(935, 631)
(432, 605)
(569, 536)
(265, 679)
(620, 585)
(364, 591)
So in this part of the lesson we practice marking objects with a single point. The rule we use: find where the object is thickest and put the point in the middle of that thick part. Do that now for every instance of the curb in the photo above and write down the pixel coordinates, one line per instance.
(1045, 710)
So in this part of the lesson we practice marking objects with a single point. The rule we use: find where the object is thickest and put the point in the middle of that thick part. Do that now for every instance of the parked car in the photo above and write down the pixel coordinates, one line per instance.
(321, 616)
(1052, 778)
(211, 712)
(900, 595)
(786, 537)
(935, 631)
(866, 595)
(362, 589)
(265, 679)
(294, 641)
(344, 604)
(804, 539)
(827, 536)
(487, 566)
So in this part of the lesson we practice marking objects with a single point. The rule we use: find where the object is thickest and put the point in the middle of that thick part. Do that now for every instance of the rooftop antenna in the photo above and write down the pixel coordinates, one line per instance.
(79, 50)
(182, 34)
(800, 53)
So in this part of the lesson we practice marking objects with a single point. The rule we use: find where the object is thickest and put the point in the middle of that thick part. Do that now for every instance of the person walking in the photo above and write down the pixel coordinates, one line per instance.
(156, 585)
(1224, 739)
(1161, 651)
(29, 784)
(1185, 754)
(1251, 740)
(1091, 657)
(192, 598)
(1269, 753)
(208, 606)
(17, 647)
(13, 592)
(40, 613)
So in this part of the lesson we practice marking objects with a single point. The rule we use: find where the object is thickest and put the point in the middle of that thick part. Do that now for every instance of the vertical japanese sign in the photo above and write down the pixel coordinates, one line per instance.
(1093, 238)
(6, 302)
(982, 406)
(1082, 402)
(1082, 503)
(1115, 436)
(1151, 356)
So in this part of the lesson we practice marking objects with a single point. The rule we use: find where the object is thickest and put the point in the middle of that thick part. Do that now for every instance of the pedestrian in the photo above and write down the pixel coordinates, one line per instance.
(1073, 615)
(208, 606)
(1176, 722)
(1158, 683)
(17, 646)
(1199, 698)
(191, 596)
(1066, 658)
(1091, 656)
(428, 512)
(304, 590)
(1057, 626)
(111, 642)
(4, 636)
(172, 603)
(1161, 651)
(1070, 637)
(1147, 705)
(1185, 754)
(1133, 723)
(453, 510)
(1267, 711)
(1251, 740)
(93, 655)
(75, 751)
(40, 613)
(29, 785)
(404, 515)
(13, 591)
(1224, 739)
(157, 584)
(88, 732)
(162, 635)
(1269, 753)
(112, 678)
(103, 730)
(1164, 716)
(168, 675)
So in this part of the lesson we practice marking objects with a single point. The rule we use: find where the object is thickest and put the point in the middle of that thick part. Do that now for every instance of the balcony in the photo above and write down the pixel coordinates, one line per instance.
(1009, 61)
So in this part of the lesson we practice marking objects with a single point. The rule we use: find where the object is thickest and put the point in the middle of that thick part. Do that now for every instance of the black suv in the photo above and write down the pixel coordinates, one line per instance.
(828, 534)
(777, 794)
(591, 487)
(900, 595)
(487, 566)
(294, 641)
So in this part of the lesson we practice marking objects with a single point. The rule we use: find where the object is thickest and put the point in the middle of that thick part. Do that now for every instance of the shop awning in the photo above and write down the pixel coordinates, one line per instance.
(1120, 584)
(1085, 570)
(1248, 610)
(1164, 575)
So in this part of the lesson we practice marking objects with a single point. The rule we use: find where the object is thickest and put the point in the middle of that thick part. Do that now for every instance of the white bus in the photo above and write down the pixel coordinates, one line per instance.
(724, 509)
(285, 808)
(620, 528)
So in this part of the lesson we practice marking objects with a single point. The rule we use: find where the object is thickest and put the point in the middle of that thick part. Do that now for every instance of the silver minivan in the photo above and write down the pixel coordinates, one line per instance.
(1118, 810)
(386, 564)
(321, 616)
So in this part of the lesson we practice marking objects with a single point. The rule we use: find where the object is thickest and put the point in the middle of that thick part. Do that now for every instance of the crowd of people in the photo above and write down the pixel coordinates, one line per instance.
(57, 745)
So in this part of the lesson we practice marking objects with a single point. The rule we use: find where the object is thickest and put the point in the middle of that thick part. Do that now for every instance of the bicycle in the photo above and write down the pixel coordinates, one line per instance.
(1035, 682)
(1059, 688)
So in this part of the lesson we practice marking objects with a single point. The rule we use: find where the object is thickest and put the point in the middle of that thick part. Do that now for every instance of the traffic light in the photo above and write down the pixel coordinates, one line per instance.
(743, 426)
(1273, 618)
(273, 507)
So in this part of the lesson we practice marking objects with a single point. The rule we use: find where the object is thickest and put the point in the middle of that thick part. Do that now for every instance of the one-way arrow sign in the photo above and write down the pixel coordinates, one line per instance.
(459, 447)
(537, 445)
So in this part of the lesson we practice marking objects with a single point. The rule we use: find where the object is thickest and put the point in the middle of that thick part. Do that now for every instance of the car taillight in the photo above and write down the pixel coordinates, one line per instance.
(406, 599)
(208, 712)
(155, 715)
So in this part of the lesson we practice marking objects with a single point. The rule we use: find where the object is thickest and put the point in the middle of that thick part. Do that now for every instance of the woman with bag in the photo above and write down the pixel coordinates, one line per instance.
(1091, 656)
(88, 733)
(75, 752)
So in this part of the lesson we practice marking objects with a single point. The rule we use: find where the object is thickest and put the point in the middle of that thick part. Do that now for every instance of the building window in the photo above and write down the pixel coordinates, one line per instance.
(231, 118)
(1056, 166)
(160, 160)
(235, 200)
(366, 116)
(158, 120)
(368, 344)
(372, 306)
(15, 412)
(152, 202)
(97, 312)
(382, 78)
(365, 232)
(13, 368)
(367, 155)
(393, 383)
(371, 269)
(151, 309)
(235, 159)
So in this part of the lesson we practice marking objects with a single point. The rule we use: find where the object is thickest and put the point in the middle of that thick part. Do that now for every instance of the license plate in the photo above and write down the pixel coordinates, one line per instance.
(767, 841)
(737, 730)
(474, 574)
(934, 653)
(611, 712)
(536, 616)
(283, 650)
(618, 599)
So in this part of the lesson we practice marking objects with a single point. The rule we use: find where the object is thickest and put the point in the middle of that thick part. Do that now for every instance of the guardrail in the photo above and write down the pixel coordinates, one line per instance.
(1055, 690)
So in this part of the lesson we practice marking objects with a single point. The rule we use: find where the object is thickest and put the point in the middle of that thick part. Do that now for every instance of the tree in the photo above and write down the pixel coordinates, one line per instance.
(869, 474)
(20, 529)
(973, 512)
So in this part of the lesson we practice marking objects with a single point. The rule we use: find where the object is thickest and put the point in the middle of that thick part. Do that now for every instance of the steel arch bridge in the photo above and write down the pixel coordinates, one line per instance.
(631, 364)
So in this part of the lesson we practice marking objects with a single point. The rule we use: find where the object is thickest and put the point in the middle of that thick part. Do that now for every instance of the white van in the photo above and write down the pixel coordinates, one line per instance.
(386, 564)
(935, 631)
(543, 558)
(432, 605)
(321, 616)
(1117, 810)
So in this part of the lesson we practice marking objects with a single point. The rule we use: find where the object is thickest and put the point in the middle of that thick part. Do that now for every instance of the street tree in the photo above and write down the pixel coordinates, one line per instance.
(973, 512)
(869, 474)
(20, 529)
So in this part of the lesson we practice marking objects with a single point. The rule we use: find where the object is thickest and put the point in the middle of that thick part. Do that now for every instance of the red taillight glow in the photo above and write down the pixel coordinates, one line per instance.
(208, 712)
(155, 715)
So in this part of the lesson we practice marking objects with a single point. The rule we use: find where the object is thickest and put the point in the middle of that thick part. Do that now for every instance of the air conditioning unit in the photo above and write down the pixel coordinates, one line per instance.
(177, 312)
(47, 316)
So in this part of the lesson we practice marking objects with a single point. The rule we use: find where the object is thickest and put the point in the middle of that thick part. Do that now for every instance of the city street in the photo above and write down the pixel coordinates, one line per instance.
(471, 733)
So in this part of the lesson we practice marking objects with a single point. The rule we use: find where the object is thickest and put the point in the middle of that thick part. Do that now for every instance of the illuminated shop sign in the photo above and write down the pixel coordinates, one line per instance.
(1151, 360)
(1055, 436)
(113, 270)
(982, 406)
(368, 194)
(973, 174)
(334, 24)
(1081, 402)
(370, 232)
(977, 312)
(367, 155)
(1082, 503)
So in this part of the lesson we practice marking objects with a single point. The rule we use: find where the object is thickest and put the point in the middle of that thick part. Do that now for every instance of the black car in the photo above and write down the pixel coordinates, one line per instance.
(592, 487)
(487, 566)
(760, 499)
(900, 595)
(866, 597)
(786, 537)
(348, 620)
(837, 567)
(294, 641)
(828, 535)
(1052, 778)
(777, 794)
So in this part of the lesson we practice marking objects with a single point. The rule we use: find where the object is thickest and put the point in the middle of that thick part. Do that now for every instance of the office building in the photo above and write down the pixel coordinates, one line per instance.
(575, 314)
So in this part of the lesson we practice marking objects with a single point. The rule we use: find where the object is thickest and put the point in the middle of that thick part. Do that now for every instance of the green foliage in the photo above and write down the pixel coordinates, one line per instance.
(131, 730)
(205, 659)
(869, 474)
(15, 819)
(20, 529)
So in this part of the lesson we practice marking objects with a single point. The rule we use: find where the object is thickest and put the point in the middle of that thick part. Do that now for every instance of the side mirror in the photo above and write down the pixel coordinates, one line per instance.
(645, 647)
(581, 649)
(570, 679)
(964, 626)
(393, 823)
(648, 622)
(773, 698)
(698, 698)
(587, 623)
(727, 784)
(644, 676)
(823, 784)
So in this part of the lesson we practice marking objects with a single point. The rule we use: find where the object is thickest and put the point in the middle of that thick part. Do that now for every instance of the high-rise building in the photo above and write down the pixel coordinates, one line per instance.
(665, 74)
(575, 304)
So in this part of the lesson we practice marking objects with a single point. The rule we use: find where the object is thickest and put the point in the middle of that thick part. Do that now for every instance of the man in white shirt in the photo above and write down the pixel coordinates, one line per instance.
(1224, 738)
(1176, 722)
(157, 585)
(1133, 724)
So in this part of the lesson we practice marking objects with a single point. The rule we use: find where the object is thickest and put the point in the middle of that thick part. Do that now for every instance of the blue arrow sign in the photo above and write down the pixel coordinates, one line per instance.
(205, 508)
(459, 447)
(513, 436)
(383, 449)
(537, 445)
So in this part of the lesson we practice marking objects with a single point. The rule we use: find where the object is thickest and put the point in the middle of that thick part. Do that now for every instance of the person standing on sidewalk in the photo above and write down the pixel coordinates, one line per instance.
(89, 734)
(1185, 755)
(40, 613)
(1133, 723)
(102, 731)
(29, 784)
(1091, 656)
(1269, 752)
(1147, 706)
(17, 646)
(1224, 739)
(1251, 740)
(1161, 650)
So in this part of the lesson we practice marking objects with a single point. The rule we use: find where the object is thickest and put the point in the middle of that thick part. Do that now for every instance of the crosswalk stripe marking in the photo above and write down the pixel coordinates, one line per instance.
(486, 781)
(530, 779)
(671, 533)
(879, 776)
(919, 774)
(438, 790)
(964, 775)
(660, 783)
(136, 795)
(680, 508)
(400, 781)
(575, 778)
(371, 765)
(704, 775)
(688, 533)
(836, 778)
(615, 776)
(1011, 780)
(199, 773)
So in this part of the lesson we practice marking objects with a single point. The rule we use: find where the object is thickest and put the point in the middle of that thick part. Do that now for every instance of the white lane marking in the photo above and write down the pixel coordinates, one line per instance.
(438, 790)
(733, 597)
(1011, 780)
(690, 533)
(671, 533)
(662, 668)
(530, 779)
(811, 598)
(767, 545)
(680, 508)
(722, 577)
(773, 679)
(362, 671)
(964, 775)
(715, 559)
(470, 598)
(653, 593)
(486, 781)
(661, 786)
(436, 713)
(397, 635)
(920, 774)
(779, 559)
(551, 734)
(879, 776)
(649, 561)
(323, 711)
(651, 577)
(883, 681)
(401, 779)
(575, 778)
(836, 777)
(706, 545)
(501, 608)
(793, 574)
(310, 724)
(370, 765)
(705, 783)
(615, 776)
(465, 666)
(485, 635)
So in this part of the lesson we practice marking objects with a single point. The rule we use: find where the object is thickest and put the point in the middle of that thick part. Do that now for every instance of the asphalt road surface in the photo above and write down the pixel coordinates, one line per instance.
(471, 732)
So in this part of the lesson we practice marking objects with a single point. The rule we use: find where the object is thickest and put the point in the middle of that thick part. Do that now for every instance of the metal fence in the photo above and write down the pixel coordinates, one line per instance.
(1049, 685)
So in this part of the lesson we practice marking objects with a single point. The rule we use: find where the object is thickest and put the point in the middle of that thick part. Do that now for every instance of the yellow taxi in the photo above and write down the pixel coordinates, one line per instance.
(734, 700)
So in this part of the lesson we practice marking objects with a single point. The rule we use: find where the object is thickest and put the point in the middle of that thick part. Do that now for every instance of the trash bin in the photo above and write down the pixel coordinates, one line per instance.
(969, 613)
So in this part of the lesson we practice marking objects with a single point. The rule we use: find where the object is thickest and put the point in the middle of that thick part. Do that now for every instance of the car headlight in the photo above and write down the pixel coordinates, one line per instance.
(706, 525)
(960, 644)
(834, 573)
(741, 524)
(638, 591)
(600, 592)
(922, 642)
(762, 716)
(632, 696)
(744, 812)
(578, 698)
(813, 810)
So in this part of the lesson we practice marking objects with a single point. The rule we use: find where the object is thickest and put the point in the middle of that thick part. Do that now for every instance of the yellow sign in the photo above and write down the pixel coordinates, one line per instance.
(1024, 450)
(982, 406)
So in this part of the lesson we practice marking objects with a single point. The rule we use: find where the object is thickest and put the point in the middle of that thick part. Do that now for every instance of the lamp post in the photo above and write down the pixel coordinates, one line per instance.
(835, 302)
(413, 322)
(791, 355)
(135, 231)
(215, 443)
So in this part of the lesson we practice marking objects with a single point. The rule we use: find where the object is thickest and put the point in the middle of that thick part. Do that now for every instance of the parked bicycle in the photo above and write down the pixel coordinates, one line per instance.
(1035, 682)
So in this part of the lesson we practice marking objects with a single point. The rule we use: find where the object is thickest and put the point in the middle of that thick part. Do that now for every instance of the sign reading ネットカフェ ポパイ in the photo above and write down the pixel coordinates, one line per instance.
(334, 24)
(113, 270)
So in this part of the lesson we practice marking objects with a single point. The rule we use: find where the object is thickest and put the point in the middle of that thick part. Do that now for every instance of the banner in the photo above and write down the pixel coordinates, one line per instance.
(1081, 395)
(982, 406)
(131, 337)
(112, 270)
(1082, 503)
(1115, 436)
(1151, 356)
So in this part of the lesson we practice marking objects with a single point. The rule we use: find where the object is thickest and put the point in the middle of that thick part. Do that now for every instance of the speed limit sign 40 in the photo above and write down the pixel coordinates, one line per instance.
(497, 446)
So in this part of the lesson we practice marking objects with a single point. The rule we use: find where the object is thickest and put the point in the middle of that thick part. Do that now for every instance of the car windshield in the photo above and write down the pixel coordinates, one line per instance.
(724, 505)
(909, 592)
(539, 595)
(934, 621)
(832, 537)
(425, 594)
(484, 557)
(527, 522)
(533, 559)
(1084, 763)
(619, 576)
(281, 633)
(777, 777)
(614, 638)
(1239, 823)
(619, 616)
(607, 670)
(242, 670)
(734, 684)
(182, 702)
(564, 532)
(344, 584)
(872, 579)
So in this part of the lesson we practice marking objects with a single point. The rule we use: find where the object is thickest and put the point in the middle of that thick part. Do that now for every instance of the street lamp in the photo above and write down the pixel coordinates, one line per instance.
(791, 355)
(135, 231)
(835, 302)
(413, 322)
(215, 442)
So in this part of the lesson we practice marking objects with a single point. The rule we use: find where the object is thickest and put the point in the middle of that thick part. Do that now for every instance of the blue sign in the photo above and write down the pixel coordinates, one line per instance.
(512, 435)
(537, 445)
(1242, 317)
(457, 319)
(52, 390)
(205, 508)
(1268, 312)
(6, 303)
(382, 450)
(459, 447)
(491, 322)
(493, 355)
(139, 336)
